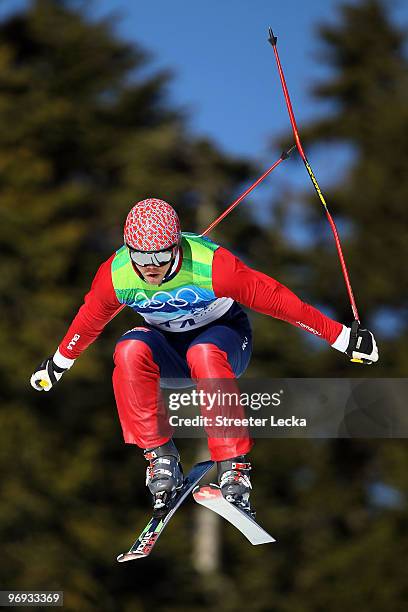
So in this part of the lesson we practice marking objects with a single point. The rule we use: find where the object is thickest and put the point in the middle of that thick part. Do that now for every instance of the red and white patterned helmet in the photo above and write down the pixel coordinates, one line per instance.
(152, 225)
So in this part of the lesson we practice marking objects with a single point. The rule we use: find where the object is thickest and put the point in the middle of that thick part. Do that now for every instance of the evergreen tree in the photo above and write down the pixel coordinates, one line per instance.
(368, 89)
(82, 135)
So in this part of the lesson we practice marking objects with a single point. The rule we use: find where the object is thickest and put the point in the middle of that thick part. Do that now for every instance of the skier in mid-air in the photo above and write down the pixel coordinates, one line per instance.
(188, 290)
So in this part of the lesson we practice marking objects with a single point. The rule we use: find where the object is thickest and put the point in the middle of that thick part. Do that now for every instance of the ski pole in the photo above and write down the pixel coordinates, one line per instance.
(273, 40)
(226, 212)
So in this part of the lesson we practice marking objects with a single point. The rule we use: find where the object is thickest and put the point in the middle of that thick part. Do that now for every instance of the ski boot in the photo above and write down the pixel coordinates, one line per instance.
(164, 475)
(235, 483)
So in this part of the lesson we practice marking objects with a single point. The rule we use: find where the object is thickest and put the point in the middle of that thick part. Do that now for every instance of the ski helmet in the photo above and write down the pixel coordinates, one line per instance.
(152, 225)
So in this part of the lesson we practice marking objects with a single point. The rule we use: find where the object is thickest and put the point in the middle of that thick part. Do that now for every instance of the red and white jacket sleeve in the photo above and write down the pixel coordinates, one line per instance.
(232, 278)
(100, 306)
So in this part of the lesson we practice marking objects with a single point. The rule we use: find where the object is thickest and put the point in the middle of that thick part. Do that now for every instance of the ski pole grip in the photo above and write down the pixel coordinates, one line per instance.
(353, 335)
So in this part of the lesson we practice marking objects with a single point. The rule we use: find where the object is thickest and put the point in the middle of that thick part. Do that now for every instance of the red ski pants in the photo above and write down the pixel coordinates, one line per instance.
(142, 412)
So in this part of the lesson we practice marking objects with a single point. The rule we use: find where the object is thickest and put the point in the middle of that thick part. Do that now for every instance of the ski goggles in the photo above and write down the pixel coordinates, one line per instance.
(152, 258)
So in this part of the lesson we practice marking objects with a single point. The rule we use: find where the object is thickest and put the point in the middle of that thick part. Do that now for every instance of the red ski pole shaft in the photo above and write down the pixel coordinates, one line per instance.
(226, 212)
(273, 40)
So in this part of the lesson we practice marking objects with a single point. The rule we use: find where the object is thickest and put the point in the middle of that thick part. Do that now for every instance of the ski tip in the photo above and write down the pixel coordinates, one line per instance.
(129, 556)
(271, 37)
(268, 539)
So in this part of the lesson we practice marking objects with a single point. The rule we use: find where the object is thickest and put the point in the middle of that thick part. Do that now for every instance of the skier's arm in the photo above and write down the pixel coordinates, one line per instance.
(232, 278)
(100, 306)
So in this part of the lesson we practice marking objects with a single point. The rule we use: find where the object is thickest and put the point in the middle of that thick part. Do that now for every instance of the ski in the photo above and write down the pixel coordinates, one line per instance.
(211, 497)
(144, 544)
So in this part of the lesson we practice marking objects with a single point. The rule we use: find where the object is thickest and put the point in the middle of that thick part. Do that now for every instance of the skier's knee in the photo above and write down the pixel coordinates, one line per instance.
(205, 351)
(131, 354)
(207, 360)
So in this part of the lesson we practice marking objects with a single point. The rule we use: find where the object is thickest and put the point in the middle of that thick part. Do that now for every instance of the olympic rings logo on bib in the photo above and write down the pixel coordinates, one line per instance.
(183, 298)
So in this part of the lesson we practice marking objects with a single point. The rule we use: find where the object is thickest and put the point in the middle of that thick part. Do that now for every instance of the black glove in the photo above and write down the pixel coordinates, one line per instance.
(362, 345)
(46, 375)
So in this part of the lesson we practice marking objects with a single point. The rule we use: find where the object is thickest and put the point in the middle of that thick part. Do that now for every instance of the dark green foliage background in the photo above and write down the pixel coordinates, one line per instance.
(82, 136)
